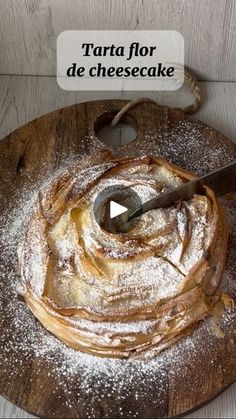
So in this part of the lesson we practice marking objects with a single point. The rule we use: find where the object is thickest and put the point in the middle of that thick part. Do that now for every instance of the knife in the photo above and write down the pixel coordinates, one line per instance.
(221, 181)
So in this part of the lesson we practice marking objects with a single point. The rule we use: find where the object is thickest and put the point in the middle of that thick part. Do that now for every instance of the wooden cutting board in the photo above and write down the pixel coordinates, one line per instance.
(70, 386)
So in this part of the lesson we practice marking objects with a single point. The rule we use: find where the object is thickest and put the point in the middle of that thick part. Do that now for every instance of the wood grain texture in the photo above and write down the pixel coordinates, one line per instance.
(29, 29)
(48, 133)
(9, 410)
(222, 407)
(25, 98)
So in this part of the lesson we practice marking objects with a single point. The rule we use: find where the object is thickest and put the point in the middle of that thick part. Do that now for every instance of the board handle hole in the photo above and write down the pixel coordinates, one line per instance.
(123, 133)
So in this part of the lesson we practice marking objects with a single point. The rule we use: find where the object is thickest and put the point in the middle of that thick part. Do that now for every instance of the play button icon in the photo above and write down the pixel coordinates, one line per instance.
(112, 207)
(116, 209)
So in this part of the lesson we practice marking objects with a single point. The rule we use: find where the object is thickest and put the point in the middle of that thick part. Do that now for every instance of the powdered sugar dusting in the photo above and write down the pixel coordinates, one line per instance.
(188, 143)
(89, 386)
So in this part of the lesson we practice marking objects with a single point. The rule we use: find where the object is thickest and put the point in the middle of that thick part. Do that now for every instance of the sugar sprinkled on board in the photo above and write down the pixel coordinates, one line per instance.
(186, 144)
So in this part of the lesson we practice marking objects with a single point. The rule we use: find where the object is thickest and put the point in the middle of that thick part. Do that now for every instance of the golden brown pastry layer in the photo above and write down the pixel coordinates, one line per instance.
(121, 294)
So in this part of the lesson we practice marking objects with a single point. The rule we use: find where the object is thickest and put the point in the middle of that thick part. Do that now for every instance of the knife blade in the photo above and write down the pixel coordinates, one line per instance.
(221, 181)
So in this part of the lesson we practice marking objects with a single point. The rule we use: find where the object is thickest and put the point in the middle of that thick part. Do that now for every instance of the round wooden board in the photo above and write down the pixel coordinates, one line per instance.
(181, 378)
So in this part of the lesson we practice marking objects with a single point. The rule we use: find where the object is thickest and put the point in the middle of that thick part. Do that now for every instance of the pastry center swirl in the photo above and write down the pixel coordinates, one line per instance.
(119, 292)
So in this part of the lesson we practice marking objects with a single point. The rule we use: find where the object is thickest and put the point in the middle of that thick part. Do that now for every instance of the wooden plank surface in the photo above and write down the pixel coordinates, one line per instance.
(222, 407)
(29, 29)
(25, 98)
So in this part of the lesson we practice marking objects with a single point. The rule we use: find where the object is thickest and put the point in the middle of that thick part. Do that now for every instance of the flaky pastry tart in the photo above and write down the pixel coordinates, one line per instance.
(120, 294)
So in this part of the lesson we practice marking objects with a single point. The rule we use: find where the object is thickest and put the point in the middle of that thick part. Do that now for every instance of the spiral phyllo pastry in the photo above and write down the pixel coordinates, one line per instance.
(120, 294)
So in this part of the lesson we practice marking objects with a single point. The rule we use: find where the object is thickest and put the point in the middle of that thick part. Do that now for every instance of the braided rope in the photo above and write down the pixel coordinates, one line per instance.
(189, 79)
